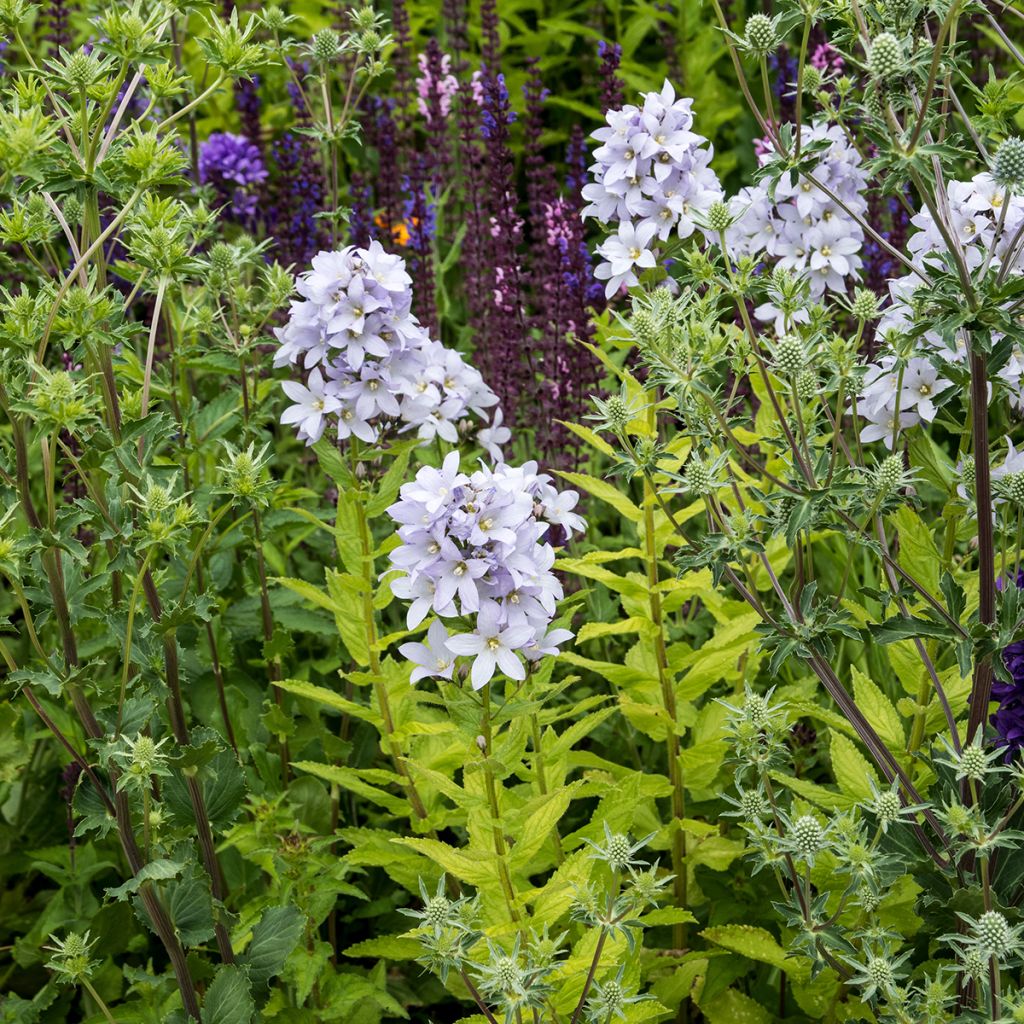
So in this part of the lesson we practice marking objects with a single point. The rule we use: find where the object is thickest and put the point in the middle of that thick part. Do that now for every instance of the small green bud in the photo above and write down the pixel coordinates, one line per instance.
(646, 452)
(789, 356)
(1014, 484)
(508, 975)
(645, 327)
(618, 852)
(813, 79)
(887, 808)
(889, 474)
(761, 36)
(865, 304)
(80, 70)
(807, 385)
(275, 19)
(994, 934)
(807, 836)
(967, 472)
(974, 962)
(325, 46)
(697, 477)
(1008, 167)
(885, 59)
(363, 19)
(757, 711)
(973, 763)
(879, 972)
(753, 805)
(616, 413)
(719, 217)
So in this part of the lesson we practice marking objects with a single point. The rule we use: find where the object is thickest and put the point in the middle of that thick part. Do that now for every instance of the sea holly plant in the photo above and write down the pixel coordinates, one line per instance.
(852, 458)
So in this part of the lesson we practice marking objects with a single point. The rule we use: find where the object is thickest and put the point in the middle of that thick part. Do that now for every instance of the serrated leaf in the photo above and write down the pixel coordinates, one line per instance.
(273, 939)
(606, 492)
(322, 695)
(229, 998)
(879, 711)
(350, 779)
(387, 947)
(851, 768)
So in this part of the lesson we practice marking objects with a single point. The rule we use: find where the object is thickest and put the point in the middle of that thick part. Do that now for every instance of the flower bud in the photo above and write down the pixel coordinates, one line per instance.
(617, 852)
(807, 835)
(887, 808)
(967, 472)
(697, 477)
(645, 327)
(865, 304)
(879, 973)
(616, 413)
(719, 217)
(889, 475)
(1008, 167)
(885, 59)
(813, 79)
(994, 934)
(973, 763)
(807, 385)
(325, 46)
(789, 356)
(761, 36)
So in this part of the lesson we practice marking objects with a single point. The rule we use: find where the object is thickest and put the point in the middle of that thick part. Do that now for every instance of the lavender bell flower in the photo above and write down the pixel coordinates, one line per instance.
(476, 547)
(234, 167)
(1008, 719)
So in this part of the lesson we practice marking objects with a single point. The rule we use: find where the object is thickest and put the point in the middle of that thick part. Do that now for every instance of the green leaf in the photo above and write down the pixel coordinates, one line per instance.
(349, 778)
(322, 695)
(387, 947)
(229, 998)
(476, 869)
(273, 939)
(917, 551)
(879, 711)
(191, 908)
(634, 624)
(732, 1007)
(851, 768)
(605, 492)
(156, 870)
(755, 944)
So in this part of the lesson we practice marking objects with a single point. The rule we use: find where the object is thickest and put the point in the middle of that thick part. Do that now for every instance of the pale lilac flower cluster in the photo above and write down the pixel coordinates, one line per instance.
(476, 547)
(370, 363)
(895, 399)
(651, 179)
(429, 84)
(986, 221)
(802, 228)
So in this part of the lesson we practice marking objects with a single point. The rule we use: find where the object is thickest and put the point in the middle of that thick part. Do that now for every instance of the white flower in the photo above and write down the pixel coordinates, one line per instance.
(492, 647)
(312, 404)
(432, 658)
(623, 253)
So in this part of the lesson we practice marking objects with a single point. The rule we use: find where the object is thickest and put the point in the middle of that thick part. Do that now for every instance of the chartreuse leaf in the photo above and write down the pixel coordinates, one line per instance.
(755, 944)
(229, 998)
(851, 768)
(273, 939)
(539, 824)
(828, 799)
(879, 711)
(388, 947)
(478, 869)
(349, 778)
(322, 695)
(606, 492)
(917, 551)
(348, 593)
(732, 1007)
